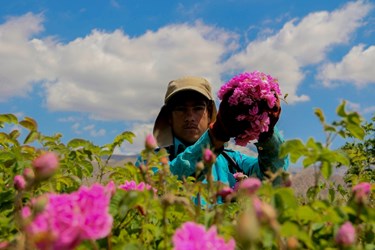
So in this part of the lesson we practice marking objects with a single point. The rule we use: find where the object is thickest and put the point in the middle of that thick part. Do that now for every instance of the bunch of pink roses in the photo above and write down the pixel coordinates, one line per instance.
(253, 90)
(64, 220)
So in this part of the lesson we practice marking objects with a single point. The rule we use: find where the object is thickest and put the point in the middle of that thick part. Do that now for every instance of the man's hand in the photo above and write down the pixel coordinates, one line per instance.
(274, 115)
(226, 124)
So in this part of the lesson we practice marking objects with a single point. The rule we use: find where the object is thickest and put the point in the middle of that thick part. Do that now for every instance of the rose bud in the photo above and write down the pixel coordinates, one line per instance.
(150, 142)
(45, 165)
(19, 182)
(346, 234)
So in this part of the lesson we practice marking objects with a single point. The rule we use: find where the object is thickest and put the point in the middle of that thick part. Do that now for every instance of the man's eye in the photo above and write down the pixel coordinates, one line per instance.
(199, 108)
(179, 109)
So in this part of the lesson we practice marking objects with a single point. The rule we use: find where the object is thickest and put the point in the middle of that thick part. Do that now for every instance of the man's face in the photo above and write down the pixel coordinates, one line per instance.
(189, 118)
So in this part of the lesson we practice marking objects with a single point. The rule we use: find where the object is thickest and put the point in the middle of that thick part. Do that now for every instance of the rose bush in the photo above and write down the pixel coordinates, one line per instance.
(125, 207)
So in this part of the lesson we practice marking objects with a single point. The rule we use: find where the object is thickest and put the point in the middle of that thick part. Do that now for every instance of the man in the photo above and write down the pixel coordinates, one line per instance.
(189, 122)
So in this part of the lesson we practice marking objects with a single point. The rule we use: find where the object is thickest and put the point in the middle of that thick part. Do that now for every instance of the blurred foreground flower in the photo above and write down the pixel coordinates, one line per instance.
(132, 185)
(346, 234)
(257, 92)
(208, 156)
(19, 182)
(361, 191)
(150, 142)
(250, 185)
(265, 212)
(4, 245)
(225, 193)
(194, 236)
(68, 219)
(45, 165)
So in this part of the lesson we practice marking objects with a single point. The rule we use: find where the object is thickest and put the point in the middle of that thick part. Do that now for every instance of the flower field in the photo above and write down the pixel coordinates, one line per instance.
(47, 203)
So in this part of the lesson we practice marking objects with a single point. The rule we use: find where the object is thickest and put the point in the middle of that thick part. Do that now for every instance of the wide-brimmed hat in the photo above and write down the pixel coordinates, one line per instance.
(162, 129)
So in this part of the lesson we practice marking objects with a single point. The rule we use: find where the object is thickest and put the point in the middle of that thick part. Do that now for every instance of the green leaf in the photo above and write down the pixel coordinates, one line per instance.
(14, 134)
(331, 194)
(329, 128)
(31, 137)
(26, 149)
(341, 109)
(8, 118)
(312, 144)
(290, 229)
(4, 136)
(319, 113)
(78, 143)
(285, 199)
(119, 139)
(326, 169)
(295, 148)
(6, 156)
(357, 131)
(87, 167)
(308, 161)
(341, 157)
(306, 214)
(29, 123)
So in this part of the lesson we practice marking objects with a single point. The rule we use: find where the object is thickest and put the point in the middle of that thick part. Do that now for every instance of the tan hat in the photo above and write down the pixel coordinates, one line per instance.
(162, 130)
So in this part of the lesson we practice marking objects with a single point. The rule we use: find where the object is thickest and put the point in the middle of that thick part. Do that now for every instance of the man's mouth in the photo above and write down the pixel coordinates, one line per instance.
(191, 127)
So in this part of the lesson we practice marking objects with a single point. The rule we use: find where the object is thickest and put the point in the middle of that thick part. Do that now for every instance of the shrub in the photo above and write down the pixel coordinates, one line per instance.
(129, 207)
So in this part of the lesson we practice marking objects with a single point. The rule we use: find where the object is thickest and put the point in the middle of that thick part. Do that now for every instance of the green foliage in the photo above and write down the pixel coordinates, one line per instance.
(148, 219)
(362, 156)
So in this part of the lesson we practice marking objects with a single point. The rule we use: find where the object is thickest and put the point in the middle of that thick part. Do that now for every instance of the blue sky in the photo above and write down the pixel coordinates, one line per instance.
(93, 69)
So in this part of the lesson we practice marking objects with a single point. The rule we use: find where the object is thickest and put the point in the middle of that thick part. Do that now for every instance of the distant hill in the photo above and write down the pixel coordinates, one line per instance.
(302, 179)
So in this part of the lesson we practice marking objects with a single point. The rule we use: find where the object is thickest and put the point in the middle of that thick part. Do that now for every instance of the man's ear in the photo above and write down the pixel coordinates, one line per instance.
(210, 109)
(170, 119)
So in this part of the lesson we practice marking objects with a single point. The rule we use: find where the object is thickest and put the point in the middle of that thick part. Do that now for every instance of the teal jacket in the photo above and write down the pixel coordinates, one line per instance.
(183, 164)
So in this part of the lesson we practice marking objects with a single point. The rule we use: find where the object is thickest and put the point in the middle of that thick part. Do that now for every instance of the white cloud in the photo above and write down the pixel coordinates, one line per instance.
(369, 110)
(69, 119)
(140, 130)
(18, 57)
(357, 107)
(112, 76)
(300, 44)
(93, 131)
(357, 68)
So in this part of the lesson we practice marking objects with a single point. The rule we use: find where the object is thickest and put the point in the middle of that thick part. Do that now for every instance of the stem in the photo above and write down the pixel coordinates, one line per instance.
(109, 242)
(94, 245)
(101, 170)
(165, 226)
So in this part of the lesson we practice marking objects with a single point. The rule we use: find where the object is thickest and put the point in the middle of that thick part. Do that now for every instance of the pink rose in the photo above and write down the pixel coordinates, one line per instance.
(208, 156)
(361, 191)
(150, 142)
(239, 176)
(264, 211)
(251, 185)
(28, 174)
(194, 236)
(67, 219)
(225, 192)
(132, 185)
(346, 234)
(19, 182)
(45, 165)
(4, 245)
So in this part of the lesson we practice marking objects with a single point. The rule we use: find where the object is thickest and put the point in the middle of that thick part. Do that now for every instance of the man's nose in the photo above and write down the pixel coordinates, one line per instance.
(189, 113)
